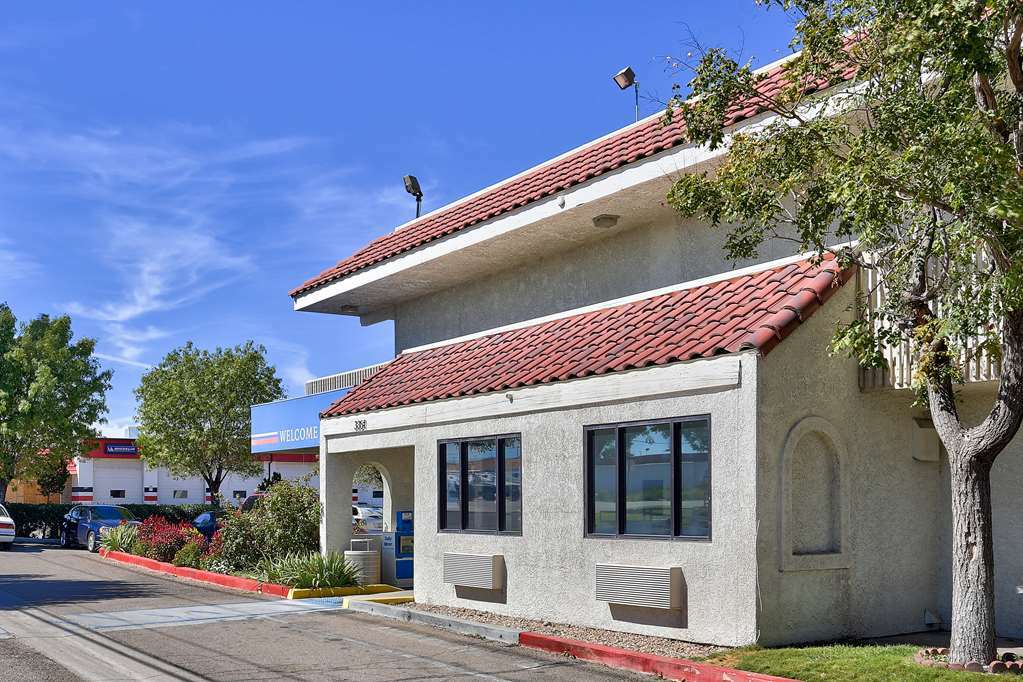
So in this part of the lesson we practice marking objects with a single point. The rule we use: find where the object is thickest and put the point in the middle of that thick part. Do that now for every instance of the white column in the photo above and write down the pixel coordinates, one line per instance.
(150, 484)
(82, 492)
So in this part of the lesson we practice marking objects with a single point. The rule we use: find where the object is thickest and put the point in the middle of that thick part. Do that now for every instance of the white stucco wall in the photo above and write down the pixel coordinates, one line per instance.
(660, 253)
(550, 567)
(897, 548)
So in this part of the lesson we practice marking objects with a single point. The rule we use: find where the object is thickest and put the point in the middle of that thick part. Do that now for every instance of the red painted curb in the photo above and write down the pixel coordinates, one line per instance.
(232, 581)
(668, 668)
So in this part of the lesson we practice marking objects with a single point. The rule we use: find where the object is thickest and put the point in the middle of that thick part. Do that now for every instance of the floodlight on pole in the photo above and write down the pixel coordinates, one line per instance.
(624, 79)
(412, 187)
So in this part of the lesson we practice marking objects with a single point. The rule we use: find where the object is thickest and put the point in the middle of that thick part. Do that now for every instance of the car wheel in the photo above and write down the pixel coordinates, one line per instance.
(91, 542)
(65, 541)
(6, 546)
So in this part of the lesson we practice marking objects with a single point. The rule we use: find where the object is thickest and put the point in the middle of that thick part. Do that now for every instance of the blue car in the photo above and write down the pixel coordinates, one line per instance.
(206, 523)
(86, 524)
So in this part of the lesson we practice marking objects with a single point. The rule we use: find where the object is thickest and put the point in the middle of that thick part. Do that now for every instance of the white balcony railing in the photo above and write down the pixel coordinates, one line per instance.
(978, 366)
(348, 379)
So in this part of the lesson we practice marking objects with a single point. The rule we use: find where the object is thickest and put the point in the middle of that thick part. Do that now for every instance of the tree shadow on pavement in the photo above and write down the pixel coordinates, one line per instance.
(27, 590)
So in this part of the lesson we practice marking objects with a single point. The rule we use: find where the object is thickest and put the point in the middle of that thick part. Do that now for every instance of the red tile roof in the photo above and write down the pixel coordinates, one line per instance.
(750, 311)
(630, 145)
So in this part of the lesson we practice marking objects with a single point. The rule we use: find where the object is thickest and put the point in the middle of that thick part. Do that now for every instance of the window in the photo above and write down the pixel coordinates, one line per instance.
(481, 485)
(117, 494)
(378, 494)
(239, 494)
(649, 479)
(180, 494)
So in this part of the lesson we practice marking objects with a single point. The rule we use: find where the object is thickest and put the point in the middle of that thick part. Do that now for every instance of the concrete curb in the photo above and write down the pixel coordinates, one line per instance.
(377, 588)
(668, 668)
(232, 581)
(462, 627)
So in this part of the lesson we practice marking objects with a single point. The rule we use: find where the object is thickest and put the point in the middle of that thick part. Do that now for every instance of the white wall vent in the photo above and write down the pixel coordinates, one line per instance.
(653, 587)
(474, 570)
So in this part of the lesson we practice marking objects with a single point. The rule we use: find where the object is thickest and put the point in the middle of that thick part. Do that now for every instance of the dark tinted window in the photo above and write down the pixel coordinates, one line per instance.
(111, 514)
(650, 479)
(480, 485)
(603, 465)
(512, 458)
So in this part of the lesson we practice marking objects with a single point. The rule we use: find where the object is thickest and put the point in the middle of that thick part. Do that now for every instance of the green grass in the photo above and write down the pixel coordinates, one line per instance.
(866, 663)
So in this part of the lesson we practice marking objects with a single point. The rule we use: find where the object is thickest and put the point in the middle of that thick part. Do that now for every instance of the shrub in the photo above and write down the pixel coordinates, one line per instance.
(311, 570)
(238, 542)
(160, 539)
(41, 520)
(286, 521)
(120, 538)
(191, 553)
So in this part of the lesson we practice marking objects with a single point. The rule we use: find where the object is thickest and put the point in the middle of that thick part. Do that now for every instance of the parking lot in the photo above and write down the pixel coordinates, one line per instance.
(70, 615)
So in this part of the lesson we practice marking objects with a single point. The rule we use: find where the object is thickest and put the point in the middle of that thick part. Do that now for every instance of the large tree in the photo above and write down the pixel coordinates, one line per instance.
(193, 411)
(919, 158)
(52, 393)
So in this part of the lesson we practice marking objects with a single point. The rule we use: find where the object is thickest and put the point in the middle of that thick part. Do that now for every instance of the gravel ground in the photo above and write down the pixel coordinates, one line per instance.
(623, 640)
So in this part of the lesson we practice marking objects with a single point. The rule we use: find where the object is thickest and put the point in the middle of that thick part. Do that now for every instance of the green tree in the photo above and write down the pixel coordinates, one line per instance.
(919, 158)
(52, 393)
(193, 411)
(54, 476)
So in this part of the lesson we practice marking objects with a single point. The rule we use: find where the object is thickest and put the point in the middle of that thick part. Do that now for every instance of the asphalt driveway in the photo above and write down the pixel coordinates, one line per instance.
(70, 615)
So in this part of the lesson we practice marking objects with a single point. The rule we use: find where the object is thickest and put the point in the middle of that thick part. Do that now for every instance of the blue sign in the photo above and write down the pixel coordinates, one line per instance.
(291, 424)
(120, 449)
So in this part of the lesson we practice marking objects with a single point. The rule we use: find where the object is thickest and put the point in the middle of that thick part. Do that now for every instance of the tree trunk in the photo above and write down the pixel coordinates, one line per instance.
(214, 486)
(973, 575)
(3, 491)
(971, 454)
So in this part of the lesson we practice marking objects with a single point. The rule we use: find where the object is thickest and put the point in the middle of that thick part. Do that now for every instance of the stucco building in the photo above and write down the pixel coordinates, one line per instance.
(598, 420)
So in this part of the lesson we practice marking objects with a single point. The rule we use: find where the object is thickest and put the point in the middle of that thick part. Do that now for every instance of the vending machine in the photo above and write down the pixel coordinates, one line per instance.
(397, 554)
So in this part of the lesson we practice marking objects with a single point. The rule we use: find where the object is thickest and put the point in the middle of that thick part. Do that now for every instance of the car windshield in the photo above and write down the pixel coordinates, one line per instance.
(3, 511)
(112, 514)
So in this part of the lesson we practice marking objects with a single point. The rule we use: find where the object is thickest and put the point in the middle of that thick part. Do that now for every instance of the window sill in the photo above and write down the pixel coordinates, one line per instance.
(508, 533)
(661, 538)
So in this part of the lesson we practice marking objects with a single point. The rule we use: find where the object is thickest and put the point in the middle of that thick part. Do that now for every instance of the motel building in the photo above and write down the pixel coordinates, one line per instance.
(596, 419)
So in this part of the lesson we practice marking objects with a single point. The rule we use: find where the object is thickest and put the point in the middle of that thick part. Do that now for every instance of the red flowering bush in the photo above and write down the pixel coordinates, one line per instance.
(160, 539)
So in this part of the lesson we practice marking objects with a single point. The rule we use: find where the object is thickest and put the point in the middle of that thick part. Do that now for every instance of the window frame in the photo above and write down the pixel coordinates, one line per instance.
(463, 486)
(620, 483)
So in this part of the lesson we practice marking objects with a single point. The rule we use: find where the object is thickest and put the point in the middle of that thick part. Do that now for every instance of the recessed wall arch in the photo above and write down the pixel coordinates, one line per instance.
(814, 500)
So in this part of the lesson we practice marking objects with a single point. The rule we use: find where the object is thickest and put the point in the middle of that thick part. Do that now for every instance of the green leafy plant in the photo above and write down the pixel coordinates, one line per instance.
(894, 125)
(194, 410)
(312, 570)
(191, 554)
(52, 393)
(120, 538)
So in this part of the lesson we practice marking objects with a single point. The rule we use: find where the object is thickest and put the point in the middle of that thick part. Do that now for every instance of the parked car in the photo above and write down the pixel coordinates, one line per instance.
(371, 517)
(86, 524)
(252, 500)
(7, 530)
(206, 523)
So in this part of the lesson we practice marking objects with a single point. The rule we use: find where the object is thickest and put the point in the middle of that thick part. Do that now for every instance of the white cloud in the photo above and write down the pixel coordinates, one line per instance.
(15, 264)
(168, 268)
(292, 362)
(122, 360)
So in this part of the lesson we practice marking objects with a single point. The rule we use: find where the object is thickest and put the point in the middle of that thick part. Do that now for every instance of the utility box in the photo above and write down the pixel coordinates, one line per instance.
(398, 551)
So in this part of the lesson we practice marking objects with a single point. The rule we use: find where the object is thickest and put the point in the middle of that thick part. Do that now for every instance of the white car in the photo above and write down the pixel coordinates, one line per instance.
(371, 517)
(6, 529)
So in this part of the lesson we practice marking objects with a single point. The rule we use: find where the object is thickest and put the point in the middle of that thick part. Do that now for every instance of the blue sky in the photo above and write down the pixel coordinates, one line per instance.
(169, 171)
